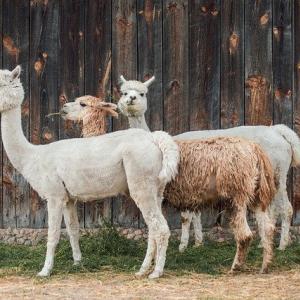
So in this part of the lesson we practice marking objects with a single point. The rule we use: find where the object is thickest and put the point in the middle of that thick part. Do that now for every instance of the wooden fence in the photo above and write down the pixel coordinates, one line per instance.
(218, 64)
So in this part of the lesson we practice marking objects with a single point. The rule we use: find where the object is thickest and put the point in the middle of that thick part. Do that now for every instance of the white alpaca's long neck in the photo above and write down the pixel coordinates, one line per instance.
(138, 122)
(15, 144)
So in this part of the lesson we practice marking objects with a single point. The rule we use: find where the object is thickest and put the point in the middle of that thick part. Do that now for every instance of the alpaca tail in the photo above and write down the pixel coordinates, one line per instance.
(170, 154)
(292, 138)
(267, 179)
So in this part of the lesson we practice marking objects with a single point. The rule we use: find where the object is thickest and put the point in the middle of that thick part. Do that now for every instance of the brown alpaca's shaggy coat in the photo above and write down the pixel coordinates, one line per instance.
(225, 169)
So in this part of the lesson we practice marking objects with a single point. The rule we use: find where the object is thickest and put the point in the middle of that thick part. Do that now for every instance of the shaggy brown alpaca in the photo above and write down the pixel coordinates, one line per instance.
(237, 173)
(93, 113)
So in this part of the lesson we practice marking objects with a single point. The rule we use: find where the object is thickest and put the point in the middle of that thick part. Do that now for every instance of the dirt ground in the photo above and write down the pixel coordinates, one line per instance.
(109, 285)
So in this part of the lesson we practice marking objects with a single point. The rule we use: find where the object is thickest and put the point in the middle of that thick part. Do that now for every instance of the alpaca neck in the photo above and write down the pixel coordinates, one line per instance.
(93, 126)
(138, 122)
(15, 144)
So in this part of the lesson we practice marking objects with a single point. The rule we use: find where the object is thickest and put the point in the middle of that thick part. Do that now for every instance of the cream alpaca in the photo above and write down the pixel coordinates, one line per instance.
(116, 163)
(279, 142)
(226, 184)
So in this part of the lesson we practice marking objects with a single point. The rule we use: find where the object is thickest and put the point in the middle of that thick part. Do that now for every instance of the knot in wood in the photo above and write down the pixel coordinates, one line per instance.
(174, 85)
(172, 6)
(256, 81)
(264, 19)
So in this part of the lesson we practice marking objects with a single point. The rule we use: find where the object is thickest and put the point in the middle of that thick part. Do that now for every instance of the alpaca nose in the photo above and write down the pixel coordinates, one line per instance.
(130, 102)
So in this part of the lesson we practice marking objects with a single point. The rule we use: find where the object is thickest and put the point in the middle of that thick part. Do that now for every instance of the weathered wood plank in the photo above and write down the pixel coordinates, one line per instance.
(204, 73)
(97, 81)
(204, 67)
(71, 66)
(149, 24)
(1, 152)
(282, 61)
(44, 89)
(175, 76)
(296, 109)
(258, 62)
(232, 63)
(124, 62)
(16, 51)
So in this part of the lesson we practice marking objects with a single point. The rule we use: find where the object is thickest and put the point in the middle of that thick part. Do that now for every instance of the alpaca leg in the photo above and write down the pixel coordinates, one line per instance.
(55, 209)
(197, 228)
(158, 231)
(72, 225)
(266, 233)
(242, 234)
(286, 214)
(186, 218)
(150, 254)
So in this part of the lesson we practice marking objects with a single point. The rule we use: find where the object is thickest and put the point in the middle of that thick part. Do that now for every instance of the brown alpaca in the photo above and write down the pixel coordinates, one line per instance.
(93, 113)
(238, 174)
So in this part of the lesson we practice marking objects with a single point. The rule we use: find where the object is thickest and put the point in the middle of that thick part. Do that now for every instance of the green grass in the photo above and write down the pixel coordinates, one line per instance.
(108, 249)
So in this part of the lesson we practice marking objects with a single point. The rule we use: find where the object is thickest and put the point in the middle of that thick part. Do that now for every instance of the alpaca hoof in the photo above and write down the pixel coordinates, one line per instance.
(140, 273)
(77, 262)
(43, 273)
(155, 274)
(182, 248)
(264, 270)
(198, 244)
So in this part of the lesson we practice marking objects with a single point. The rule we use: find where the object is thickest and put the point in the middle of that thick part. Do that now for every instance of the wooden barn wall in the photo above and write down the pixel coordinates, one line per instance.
(218, 64)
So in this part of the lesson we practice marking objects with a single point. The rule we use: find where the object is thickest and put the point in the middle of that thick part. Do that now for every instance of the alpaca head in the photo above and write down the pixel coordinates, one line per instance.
(91, 111)
(11, 89)
(133, 101)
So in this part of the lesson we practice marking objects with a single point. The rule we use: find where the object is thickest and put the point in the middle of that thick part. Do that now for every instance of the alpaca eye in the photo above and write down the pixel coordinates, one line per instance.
(125, 94)
(82, 104)
(142, 95)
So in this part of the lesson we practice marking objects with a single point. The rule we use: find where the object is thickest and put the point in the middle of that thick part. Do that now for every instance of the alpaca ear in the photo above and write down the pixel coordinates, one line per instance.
(123, 80)
(15, 73)
(149, 81)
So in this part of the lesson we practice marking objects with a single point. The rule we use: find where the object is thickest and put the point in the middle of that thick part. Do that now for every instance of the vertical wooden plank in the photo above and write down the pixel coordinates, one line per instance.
(16, 51)
(44, 89)
(150, 57)
(71, 66)
(1, 150)
(175, 75)
(282, 61)
(283, 68)
(258, 62)
(296, 109)
(232, 63)
(204, 67)
(124, 62)
(204, 73)
(97, 80)
(149, 24)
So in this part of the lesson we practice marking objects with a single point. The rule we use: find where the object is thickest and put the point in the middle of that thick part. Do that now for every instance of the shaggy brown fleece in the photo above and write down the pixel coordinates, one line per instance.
(231, 169)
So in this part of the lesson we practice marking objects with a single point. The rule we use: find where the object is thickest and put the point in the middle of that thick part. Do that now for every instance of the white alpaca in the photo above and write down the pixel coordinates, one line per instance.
(280, 143)
(85, 169)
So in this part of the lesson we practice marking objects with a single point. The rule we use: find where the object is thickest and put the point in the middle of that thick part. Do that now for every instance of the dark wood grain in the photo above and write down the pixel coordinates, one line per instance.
(97, 81)
(204, 67)
(149, 24)
(282, 61)
(44, 86)
(15, 51)
(258, 62)
(124, 62)
(296, 109)
(175, 75)
(71, 77)
(1, 146)
(232, 63)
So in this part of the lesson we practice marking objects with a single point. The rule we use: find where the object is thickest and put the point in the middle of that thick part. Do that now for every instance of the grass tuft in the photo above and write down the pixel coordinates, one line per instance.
(110, 250)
